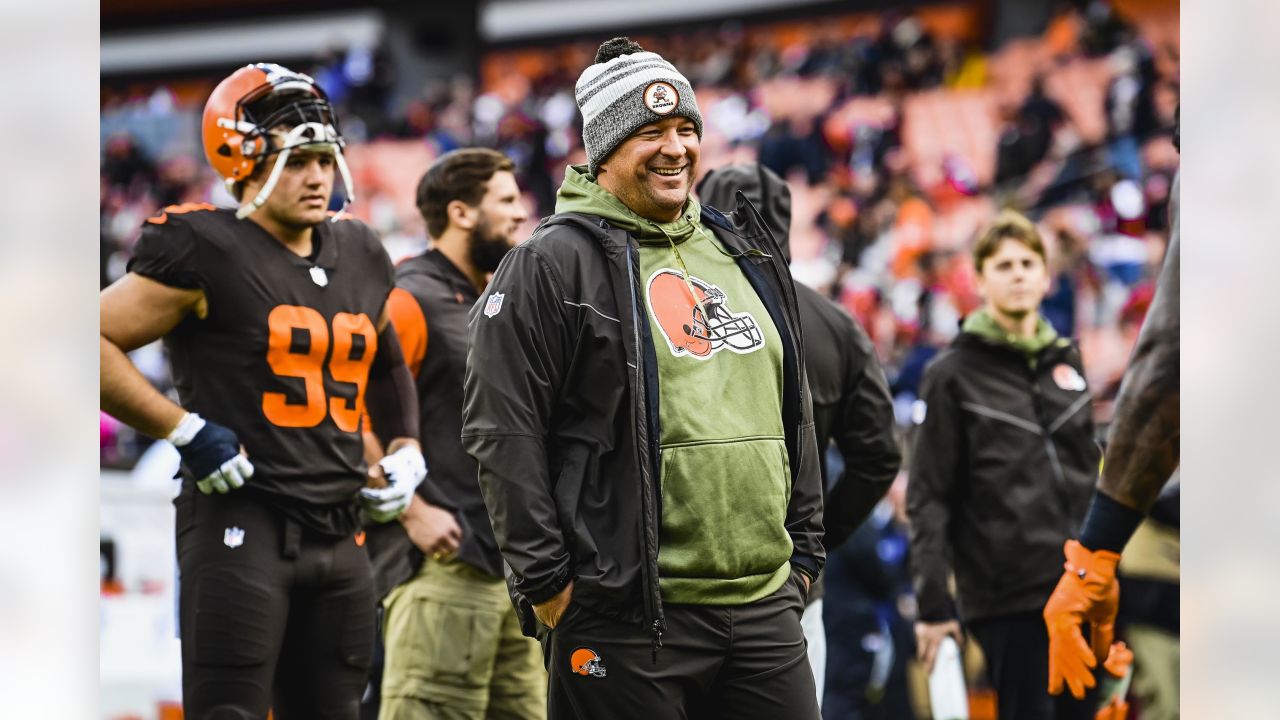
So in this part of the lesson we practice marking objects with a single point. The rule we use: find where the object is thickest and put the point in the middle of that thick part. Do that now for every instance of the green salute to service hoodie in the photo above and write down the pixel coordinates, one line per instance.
(725, 474)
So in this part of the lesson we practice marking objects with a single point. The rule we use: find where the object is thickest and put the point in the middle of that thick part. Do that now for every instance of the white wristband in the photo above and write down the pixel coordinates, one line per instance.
(188, 426)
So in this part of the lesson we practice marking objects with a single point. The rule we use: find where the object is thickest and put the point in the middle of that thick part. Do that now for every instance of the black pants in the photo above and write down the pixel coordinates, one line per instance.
(741, 662)
(272, 616)
(1017, 652)
(854, 575)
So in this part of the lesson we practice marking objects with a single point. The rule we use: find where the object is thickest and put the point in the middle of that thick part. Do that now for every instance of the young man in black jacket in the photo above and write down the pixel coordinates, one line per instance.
(635, 398)
(851, 401)
(1003, 465)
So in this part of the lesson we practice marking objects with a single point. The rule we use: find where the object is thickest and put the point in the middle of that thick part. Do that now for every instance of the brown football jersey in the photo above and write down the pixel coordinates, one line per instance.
(283, 356)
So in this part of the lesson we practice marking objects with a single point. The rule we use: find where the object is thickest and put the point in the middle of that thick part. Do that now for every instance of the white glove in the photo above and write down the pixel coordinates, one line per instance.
(230, 476)
(404, 470)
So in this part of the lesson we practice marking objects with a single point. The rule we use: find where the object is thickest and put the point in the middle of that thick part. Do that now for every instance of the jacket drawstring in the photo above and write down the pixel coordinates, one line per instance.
(684, 270)
(684, 275)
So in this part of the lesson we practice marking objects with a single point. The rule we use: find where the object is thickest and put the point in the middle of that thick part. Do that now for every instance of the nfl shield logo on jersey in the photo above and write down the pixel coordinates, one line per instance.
(233, 537)
(494, 305)
(319, 276)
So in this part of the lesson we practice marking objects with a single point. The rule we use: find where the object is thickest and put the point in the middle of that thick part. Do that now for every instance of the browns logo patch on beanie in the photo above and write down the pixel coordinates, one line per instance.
(625, 89)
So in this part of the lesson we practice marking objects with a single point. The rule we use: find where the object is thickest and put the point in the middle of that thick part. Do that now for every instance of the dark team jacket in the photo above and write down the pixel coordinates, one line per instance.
(851, 405)
(561, 414)
(1003, 468)
(433, 333)
(283, 356)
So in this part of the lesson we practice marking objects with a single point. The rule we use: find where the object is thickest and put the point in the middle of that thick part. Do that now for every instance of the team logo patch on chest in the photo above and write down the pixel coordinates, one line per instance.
(493, 305)
(695, 317)
(1067, 378)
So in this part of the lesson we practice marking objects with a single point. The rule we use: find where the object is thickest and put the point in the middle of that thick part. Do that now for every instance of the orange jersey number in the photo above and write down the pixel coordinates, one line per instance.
(350, 364)
(306, 363)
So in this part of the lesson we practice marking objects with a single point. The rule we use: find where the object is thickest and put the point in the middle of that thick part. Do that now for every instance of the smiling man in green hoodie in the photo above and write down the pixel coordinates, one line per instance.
(637, 404)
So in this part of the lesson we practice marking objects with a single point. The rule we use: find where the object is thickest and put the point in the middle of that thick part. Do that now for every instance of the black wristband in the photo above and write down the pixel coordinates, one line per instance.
(806, 565)
(391, 397)
(559, 582)
(1109, 524)
(212, 446)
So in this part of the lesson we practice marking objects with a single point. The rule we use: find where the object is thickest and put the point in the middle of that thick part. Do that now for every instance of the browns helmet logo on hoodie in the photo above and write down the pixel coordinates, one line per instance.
(695, 318)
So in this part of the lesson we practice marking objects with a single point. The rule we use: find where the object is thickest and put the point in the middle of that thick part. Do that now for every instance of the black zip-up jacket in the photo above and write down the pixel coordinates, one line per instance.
(1003, 467)
(561, 414)
(852, 406)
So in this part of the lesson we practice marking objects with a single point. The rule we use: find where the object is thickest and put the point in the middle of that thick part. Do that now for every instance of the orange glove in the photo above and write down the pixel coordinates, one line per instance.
(1119, 660)
(1114, 710)
(1086, 592)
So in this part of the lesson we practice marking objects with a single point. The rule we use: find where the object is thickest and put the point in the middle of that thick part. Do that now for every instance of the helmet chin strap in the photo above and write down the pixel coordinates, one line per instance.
(291, 141)
(248, 208)
(350, 195)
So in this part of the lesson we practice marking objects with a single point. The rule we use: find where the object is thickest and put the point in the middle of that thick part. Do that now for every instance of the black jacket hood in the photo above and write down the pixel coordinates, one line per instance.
(762, 186)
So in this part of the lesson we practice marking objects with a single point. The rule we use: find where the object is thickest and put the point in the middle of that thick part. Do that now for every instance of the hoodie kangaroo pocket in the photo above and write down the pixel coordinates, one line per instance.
(724, 508)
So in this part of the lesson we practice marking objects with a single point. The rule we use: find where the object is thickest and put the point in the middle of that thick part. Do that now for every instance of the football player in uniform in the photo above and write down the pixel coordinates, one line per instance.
(274, 317)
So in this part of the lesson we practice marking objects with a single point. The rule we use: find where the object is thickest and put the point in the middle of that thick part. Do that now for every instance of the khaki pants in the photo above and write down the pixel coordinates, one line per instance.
(454, 650)
(1155, 671)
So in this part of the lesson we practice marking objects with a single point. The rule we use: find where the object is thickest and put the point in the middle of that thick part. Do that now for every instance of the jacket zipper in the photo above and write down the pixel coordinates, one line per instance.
(653, 601)
(789, 301)
(778, 265)
(1059, 477)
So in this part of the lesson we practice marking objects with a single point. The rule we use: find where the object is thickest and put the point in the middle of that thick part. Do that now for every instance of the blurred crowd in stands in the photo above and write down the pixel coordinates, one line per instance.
(899, 134)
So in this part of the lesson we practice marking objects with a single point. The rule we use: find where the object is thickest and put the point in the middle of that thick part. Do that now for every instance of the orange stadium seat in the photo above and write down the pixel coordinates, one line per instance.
(1081, 87)
(938, 122)
(806, 203)
(392, 167)
(791, 98)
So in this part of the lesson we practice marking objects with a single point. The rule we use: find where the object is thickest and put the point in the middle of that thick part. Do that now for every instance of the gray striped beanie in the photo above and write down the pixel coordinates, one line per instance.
(626, 93)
